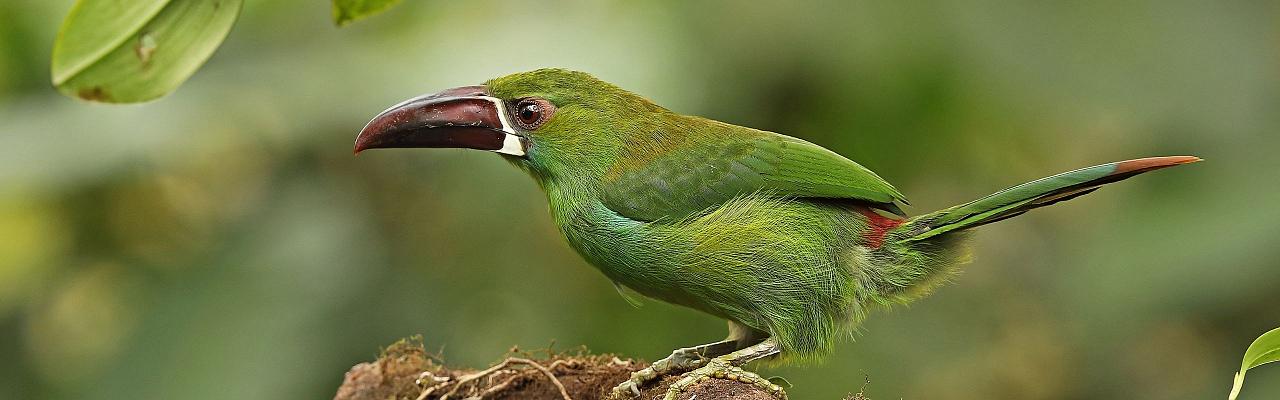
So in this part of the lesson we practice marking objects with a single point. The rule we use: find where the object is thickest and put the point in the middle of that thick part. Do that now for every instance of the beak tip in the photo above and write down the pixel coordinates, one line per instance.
(362, 141)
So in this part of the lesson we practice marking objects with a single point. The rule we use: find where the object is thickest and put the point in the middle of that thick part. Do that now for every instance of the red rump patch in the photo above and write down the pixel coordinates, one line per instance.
(877, 226)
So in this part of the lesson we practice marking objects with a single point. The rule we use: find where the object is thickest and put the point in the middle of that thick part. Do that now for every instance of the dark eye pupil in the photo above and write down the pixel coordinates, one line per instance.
(529, 113)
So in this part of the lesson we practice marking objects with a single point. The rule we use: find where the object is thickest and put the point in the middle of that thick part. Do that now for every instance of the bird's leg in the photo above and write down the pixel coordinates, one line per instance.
(729, 367)
(740, 336)
(681, 360)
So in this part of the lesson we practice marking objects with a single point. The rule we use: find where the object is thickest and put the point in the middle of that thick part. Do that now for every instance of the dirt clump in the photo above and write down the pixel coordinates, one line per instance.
(406, 371)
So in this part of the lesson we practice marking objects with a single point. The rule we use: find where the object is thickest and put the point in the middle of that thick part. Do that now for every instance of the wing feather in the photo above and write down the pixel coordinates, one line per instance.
(692, 173)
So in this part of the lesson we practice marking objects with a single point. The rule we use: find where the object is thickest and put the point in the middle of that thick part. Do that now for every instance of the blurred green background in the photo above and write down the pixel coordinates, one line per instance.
(222, 242)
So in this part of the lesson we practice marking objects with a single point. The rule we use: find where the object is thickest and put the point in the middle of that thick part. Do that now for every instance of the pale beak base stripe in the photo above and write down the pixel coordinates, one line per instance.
(512, 144)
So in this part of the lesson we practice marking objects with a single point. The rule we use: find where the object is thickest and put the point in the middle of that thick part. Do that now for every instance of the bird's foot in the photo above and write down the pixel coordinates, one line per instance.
(721, 368)
(700, 358)
(679, 361)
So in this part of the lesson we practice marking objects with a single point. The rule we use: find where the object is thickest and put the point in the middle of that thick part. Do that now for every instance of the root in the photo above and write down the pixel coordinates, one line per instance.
(494, 369)
(405, 370)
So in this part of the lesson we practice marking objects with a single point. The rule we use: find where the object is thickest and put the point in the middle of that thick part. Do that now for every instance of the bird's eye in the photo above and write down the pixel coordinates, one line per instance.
(531, 113)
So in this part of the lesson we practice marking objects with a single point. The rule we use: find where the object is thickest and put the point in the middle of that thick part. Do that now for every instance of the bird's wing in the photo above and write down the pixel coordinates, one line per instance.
(673, 181)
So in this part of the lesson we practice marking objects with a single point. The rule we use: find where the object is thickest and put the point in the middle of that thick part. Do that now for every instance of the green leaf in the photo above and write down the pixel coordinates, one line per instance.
(1265, 349)
(345, 11)
(133, 51)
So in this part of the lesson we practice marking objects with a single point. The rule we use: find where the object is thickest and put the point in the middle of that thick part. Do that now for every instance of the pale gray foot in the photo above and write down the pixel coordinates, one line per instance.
(681, 360)
(729, 367)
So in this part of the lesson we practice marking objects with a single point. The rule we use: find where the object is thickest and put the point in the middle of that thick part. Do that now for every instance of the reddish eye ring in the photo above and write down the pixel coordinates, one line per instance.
(531, 113)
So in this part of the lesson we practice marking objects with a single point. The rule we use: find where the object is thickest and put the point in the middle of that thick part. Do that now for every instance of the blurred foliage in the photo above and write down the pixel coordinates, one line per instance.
(223, 243)
(346, 11)
(129, 52)
(1266, 349)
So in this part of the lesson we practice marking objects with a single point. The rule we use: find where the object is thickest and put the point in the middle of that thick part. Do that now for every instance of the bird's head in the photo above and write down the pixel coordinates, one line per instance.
(555, 123)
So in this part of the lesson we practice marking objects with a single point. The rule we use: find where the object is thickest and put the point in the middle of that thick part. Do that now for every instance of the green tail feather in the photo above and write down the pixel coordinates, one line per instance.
(1039, 193)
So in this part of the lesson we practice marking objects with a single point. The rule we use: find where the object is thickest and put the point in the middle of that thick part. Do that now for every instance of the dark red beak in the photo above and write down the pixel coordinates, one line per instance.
(466, 117)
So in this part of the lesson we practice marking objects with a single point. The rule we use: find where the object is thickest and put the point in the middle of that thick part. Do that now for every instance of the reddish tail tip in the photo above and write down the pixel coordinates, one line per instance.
(1150, 163)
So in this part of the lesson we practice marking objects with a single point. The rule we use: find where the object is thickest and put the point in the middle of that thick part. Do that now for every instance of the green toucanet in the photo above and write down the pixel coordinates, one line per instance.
(790, 242)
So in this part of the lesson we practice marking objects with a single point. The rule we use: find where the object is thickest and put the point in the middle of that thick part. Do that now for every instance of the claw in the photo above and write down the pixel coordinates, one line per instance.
(624, 389)
(718, 369)
(706, 361)
(679, 361)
